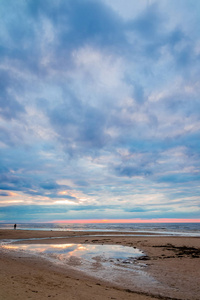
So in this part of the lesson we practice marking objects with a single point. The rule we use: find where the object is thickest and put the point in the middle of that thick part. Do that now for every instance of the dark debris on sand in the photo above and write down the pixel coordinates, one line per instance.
(182, 251)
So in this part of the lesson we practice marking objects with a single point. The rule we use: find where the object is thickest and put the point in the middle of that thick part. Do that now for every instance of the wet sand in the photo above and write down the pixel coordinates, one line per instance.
(173, 263)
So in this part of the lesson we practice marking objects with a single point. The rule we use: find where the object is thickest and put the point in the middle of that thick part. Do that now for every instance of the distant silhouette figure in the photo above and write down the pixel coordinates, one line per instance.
(15, 226)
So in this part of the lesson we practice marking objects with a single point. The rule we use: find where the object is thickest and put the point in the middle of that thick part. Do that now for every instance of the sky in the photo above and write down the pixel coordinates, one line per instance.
(99, 110)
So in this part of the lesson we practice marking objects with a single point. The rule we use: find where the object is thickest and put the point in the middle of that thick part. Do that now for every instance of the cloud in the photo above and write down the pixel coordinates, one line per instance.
(135, 209)
(4, 194)
(132, 171)
(146, 24)
(102, 97)
(9, 107)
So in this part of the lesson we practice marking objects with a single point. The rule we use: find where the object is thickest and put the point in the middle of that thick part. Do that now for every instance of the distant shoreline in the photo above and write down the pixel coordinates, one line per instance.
(184, 229)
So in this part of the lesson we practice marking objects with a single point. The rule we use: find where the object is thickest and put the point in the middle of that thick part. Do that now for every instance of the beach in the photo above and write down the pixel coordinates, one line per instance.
(168, 268)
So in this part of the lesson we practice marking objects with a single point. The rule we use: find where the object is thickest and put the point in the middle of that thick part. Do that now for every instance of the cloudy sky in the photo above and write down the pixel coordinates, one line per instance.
(99, 110)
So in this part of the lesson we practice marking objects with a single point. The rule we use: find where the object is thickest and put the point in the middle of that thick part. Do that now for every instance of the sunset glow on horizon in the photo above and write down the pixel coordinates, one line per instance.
(129, 221)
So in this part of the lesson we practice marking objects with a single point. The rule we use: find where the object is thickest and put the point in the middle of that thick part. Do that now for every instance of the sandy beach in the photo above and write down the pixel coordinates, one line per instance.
(169, 268)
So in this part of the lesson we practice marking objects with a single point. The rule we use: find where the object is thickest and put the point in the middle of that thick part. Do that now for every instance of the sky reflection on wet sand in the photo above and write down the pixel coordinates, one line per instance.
(83, 251)
(114, 263)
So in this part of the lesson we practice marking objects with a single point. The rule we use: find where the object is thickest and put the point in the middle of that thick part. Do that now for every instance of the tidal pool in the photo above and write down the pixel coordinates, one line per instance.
(113, 263)
(83, 252)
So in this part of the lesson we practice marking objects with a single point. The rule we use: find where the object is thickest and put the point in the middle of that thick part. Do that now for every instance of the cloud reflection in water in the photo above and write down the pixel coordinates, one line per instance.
(113, 263)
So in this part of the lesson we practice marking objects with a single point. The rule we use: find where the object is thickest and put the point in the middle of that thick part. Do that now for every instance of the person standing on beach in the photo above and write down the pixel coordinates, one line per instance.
(15, 226)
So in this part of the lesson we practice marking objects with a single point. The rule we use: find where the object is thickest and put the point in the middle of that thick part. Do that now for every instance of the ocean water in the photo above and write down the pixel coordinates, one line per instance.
(189, 229)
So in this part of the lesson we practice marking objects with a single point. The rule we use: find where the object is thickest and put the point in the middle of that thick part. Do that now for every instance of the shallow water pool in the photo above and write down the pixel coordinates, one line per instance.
(113, 263)
(83, 252)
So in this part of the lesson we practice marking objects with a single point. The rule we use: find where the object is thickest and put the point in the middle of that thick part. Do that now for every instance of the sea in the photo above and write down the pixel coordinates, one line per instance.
(183, 229)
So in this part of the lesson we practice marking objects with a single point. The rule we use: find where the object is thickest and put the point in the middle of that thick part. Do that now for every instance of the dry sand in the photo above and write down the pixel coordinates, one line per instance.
(173, 262)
